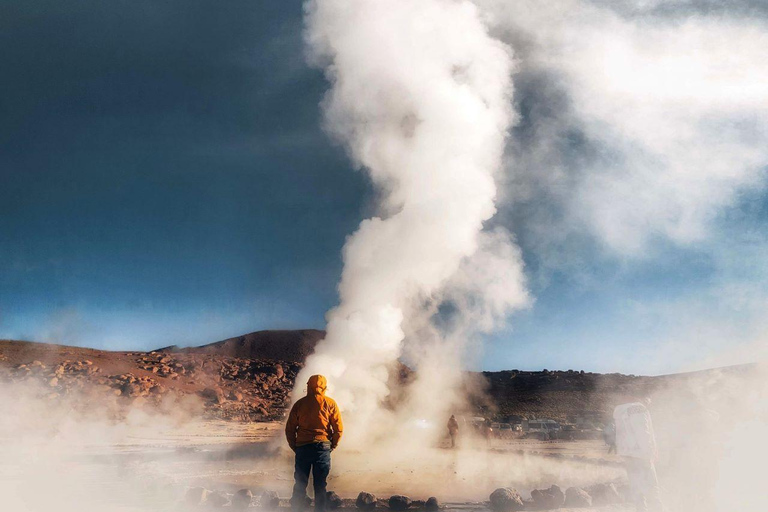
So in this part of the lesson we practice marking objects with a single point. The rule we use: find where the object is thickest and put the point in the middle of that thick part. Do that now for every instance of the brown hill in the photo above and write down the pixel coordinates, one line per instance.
(250, 377)
(252, 389)
(292, 346)
(569, 395)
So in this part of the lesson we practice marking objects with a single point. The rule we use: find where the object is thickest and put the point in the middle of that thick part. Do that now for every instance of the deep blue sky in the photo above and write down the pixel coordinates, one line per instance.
(164, 178)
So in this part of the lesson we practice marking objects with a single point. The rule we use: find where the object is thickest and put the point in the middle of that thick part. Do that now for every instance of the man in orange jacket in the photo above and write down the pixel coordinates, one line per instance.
(313, 430)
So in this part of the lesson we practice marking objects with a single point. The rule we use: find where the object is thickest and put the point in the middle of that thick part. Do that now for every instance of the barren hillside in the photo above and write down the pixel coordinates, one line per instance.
(249, 378)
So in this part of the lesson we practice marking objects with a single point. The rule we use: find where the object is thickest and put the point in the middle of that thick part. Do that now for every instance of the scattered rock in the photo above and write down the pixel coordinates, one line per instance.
(576, 497)
(432, 505)
(604, 494)
(546, 499)
(399, 503)
(213, 394)
(333, 500)
(216, 500)
(269, 500)
(365, 501)
(506, 500)
(242, 499)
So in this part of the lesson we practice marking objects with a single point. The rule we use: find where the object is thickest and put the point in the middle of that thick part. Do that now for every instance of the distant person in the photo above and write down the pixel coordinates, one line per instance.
(487, 431)
(636, 442)
(313, 430)
(453, 430)
(609, 435)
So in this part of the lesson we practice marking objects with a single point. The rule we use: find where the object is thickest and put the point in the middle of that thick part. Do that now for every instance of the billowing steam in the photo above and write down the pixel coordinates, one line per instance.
(421, 99)
(642, 120)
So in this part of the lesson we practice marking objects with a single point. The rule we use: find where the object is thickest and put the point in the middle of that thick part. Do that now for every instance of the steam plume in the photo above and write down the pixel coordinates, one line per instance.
(643, 121)
(421, 99)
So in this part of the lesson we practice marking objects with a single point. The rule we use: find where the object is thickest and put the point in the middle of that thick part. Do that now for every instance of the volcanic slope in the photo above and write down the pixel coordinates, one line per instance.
(284, 345)
(250, 378)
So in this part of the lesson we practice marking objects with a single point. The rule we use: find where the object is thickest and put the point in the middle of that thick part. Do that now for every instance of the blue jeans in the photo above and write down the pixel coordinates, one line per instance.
(317, 458)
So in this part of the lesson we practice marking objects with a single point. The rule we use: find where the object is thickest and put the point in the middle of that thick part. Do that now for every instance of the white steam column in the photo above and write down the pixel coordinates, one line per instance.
(421, 99)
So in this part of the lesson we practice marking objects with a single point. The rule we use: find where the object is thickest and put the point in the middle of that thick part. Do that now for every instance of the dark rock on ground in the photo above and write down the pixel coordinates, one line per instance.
(269, 500)
(214, 394)
(305, 504)
(242, 499)
(333, 500)
(506, 500)
(604, 494)
(365, 501)
(576, 497)
(216, 500)
(432, 505)
(399, 503)
(545, 499)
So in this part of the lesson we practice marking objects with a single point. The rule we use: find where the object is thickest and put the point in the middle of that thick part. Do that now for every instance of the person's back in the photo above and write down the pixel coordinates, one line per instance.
(313, 430)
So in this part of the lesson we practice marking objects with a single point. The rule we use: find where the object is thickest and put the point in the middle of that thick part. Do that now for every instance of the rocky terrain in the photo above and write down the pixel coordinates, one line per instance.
(224, 387)
(250, 378)
(504, 499)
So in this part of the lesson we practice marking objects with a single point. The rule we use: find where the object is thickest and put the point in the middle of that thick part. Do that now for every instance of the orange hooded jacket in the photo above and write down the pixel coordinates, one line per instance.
(315, 418)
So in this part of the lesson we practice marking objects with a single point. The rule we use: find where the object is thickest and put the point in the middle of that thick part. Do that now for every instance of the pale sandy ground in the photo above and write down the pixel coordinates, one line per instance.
(151, 469)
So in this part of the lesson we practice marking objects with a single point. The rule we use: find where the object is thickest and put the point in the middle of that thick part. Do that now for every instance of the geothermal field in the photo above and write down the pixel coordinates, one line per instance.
(202, 428)
(531, 237)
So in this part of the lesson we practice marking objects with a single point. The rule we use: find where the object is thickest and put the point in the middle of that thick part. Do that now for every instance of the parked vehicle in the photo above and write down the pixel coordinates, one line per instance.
(541, 425)
(504, 430)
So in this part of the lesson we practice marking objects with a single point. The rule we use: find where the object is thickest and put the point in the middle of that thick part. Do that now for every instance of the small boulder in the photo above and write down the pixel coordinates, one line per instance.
(506, 500)
(242, 499)
(432, 505)
(576, 497)
(545, 499)
(604, 494)
(216, 499)
(398, 503)
(365, 501)
(213, 394)
(333, 500)
(269, 500)
(131, 389)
